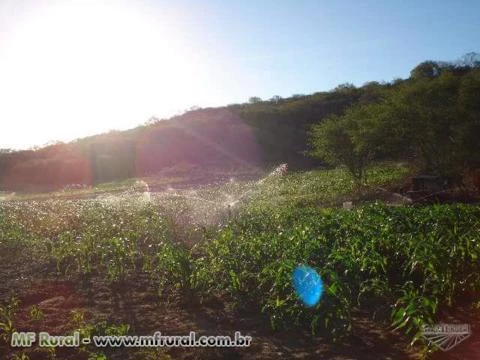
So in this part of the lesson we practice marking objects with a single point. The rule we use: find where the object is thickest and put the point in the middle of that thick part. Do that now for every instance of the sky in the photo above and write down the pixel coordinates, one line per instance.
(70, 69)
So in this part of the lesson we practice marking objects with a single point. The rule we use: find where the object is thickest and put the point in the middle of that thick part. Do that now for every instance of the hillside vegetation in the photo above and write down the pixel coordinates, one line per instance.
(430, 119)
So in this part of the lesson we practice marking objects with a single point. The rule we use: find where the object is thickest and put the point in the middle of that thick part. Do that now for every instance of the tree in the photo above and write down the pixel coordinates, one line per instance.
(254, 100)
(427, 111)
(433, 122)
(469, 112)
(276, 99)
(345, 88)
(470, 60)
(425, 70)
(298, 96)
(333, 141)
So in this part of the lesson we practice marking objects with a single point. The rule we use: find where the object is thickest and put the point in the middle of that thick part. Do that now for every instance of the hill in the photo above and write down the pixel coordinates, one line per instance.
(246, 137)
(252, 136)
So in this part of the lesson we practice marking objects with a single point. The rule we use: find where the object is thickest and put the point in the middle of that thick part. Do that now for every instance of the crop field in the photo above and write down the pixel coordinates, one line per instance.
(217, 259)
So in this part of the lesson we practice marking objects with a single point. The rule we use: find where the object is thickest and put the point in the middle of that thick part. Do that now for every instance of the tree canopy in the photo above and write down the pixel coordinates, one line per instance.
(432, 120)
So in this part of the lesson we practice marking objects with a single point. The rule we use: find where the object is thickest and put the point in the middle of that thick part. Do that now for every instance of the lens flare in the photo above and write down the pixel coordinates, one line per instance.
(307, 284)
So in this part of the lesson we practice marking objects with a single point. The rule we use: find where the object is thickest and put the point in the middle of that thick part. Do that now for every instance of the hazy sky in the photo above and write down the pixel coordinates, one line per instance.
(75, 68)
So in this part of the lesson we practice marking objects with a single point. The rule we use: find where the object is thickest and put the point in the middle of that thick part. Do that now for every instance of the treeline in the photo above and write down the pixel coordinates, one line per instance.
(430, 118)
(432, 121)
(252, 137)
(203, 139)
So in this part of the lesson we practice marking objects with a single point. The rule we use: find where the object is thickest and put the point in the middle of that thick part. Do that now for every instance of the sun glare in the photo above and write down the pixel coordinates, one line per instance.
(70, 70)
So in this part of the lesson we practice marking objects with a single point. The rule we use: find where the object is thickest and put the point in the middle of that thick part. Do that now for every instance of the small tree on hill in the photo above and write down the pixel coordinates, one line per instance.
(333, 142)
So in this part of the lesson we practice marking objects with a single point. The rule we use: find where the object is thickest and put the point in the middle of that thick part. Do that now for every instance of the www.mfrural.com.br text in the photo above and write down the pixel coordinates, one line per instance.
(44, 339)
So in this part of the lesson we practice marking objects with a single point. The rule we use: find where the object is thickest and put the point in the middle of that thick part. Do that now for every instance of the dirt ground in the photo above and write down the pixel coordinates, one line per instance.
(137, 304)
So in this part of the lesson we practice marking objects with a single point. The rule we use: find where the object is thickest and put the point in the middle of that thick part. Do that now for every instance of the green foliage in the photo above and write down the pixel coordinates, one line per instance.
(281, 127)
(337, 142)
(413, 311)
(172, 267)
(117, 241)
(20, 356)
(426, 70)
(7, 316)
(320, 187)
(431, 120)
(254, 100)
(36, 314)
(412, 259)
(89, 329)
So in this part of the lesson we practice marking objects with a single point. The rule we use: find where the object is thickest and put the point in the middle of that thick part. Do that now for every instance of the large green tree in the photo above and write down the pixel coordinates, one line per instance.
(353, 139)
(431, 120)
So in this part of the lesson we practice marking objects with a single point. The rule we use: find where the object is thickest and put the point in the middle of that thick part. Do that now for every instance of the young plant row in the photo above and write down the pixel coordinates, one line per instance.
(411, 261)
